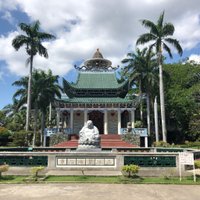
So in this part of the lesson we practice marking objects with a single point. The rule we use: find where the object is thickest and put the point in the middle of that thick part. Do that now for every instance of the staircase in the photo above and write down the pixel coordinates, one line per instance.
(107, 141)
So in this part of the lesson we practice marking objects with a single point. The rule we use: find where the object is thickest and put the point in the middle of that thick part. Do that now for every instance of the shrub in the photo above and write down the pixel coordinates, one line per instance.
(139, 124)
(3, 168)
(130, 170)
(36, 170)
(197, 164)
(57, 138)
(161, 144)
(131, 138)
(22, 138)
(4, 136)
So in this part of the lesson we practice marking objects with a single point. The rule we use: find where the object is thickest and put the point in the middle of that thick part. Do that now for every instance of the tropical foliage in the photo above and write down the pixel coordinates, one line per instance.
(41, 96)
(4, 136)
(159, 37)
(3, 168)
(32, 40)
(130, 170)
(182, 102)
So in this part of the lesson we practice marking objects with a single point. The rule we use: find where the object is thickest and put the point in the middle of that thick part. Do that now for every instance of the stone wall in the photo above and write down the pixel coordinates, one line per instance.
(112, 122)
(78, 121)
(61, 162)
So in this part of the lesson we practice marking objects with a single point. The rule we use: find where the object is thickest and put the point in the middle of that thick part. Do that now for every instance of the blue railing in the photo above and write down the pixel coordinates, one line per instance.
(137, 131)
(50, 131)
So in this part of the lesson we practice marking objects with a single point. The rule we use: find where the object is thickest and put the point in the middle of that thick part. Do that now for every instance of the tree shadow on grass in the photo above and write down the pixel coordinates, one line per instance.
(131, 179)
(7, 178)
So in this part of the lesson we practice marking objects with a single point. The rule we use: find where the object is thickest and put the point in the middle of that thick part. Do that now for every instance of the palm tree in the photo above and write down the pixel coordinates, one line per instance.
(46, 94)
(32, 40)
(142, 68)
(44, 89)
(133, 71)
(159, 35)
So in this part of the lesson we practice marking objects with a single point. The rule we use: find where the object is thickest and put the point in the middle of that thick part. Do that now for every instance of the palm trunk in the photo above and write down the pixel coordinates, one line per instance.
(156, 118)
(42, 127)
(35, 123)
(29, 95)
(50, 114)
(162, 100)
(141, 104)
(148, 113)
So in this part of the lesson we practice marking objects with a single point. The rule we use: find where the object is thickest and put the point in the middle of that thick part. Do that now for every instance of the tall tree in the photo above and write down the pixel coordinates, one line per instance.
(46, 94)
(44, 89)
(133, 70)
(32, 40)
(159, 35)
(142, 69)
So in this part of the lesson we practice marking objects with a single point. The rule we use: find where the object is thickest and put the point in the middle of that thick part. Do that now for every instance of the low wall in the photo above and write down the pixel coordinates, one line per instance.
(151, 163)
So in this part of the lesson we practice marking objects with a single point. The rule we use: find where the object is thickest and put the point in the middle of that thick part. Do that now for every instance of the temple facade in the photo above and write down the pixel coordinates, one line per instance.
(96, 95)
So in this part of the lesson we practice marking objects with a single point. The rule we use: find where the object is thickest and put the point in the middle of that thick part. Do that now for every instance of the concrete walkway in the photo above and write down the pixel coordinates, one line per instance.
(98, 192)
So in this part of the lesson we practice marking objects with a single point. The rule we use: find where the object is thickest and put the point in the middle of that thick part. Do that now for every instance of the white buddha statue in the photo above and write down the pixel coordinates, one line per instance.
(89, 136)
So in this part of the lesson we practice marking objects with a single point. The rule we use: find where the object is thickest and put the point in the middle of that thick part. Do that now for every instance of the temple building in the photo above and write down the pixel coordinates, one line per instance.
(96, 95)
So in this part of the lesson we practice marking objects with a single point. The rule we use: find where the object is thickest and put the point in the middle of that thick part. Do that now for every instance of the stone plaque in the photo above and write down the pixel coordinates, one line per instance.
(90, 161)
(71, 161)
(99, 162)
(62, 161)
(109, 161)
(80, 161)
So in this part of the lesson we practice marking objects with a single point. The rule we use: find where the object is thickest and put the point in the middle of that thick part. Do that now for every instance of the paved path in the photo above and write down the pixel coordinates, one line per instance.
(98, 192)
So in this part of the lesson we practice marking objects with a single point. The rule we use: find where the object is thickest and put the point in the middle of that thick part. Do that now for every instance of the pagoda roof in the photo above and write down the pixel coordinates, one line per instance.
(95, 100)
(97, 80)
(96, 84)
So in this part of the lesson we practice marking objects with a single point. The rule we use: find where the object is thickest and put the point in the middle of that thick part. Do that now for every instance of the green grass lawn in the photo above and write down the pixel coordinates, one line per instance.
(102, 179)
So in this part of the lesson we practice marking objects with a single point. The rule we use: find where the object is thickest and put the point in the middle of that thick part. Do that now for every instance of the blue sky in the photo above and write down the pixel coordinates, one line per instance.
(81, 27)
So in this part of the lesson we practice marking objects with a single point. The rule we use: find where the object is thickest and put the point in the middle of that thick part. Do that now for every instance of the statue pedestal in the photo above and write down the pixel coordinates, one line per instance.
(88, 149)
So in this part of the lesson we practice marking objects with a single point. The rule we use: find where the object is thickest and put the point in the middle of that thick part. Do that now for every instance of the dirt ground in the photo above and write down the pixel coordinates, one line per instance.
(98, 191)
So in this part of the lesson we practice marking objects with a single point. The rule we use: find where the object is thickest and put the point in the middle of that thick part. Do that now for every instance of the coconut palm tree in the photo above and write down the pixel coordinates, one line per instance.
(32, 40)
(159, 34)
(44, 89)
(142, 69)
(46, 95)
(133, 71)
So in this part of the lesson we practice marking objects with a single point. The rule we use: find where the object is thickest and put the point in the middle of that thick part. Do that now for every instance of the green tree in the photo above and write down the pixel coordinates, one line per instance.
(160, 36)
(141, 69)
(44, 89)
(182, 101)
(133, 71)
(32, 40)
(46, 94)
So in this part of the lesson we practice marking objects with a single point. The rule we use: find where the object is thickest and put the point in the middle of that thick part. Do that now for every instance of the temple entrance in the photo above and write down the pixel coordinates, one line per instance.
(125, 119)
(97, 118)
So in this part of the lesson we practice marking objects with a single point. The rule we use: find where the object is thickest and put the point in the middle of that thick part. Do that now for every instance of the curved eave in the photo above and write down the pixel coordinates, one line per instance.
(91, 100)
(73, 91)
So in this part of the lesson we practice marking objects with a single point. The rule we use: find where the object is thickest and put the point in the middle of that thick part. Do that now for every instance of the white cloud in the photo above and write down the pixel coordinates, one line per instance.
(82, 26)
(195, 58)
(7, 16)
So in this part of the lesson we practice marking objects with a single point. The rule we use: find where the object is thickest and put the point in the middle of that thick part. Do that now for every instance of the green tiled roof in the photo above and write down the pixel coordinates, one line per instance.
(97, 80)
(96, 100)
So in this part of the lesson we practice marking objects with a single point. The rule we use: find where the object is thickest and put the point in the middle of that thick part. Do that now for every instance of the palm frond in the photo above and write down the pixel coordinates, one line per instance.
(160, 20)
(166, 48)
(168, 29)
(147, 37)
(42, 51)
(175, 43)
(45, 36)
(149, 24)
(19, 41)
